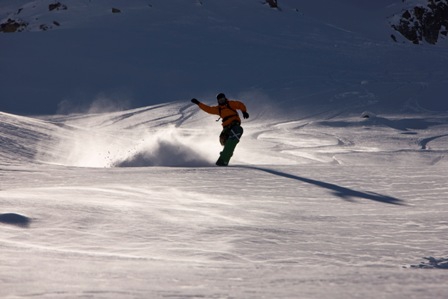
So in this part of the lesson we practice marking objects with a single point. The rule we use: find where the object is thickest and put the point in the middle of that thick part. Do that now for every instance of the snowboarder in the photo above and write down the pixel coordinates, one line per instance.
(231, 123)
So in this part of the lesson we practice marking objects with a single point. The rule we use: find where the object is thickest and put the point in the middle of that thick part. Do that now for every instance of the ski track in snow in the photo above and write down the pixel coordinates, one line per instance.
(423, 143)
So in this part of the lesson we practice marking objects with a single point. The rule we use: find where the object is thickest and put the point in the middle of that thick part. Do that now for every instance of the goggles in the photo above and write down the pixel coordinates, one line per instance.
(222, 101)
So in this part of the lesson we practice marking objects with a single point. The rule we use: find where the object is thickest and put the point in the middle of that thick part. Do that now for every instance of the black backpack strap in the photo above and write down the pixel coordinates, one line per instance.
(227, 117)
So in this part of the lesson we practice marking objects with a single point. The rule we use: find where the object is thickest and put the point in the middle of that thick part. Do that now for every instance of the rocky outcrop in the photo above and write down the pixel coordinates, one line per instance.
(272, 3)
(57, 6)
(13, 26)
(37, 17)
(424, 23)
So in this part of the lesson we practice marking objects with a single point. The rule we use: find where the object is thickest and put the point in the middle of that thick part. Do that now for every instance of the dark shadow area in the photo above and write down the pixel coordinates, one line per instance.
(339, 191)
(15, 219)
(432, 263)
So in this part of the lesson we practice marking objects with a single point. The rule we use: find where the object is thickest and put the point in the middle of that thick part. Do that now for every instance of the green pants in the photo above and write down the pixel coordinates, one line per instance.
(230, 136)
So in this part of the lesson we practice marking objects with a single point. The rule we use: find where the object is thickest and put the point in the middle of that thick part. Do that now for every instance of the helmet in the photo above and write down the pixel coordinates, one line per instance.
(220, 96)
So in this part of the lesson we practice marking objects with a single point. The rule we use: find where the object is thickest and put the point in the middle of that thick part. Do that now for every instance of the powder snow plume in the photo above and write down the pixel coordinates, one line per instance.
(149, 136)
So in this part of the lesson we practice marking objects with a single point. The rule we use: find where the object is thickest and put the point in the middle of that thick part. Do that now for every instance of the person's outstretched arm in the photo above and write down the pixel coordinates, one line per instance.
(206, 108)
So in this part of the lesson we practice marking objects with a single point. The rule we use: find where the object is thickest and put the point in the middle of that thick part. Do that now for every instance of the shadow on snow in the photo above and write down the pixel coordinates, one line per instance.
(15, 219)
(339, 191)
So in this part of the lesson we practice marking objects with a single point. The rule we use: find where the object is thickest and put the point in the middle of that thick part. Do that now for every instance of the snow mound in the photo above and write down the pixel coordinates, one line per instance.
(15, 219)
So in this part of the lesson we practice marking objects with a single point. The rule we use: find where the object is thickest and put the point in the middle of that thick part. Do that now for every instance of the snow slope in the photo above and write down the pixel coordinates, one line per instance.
(310, 208)
(157, 52)
(336, 190)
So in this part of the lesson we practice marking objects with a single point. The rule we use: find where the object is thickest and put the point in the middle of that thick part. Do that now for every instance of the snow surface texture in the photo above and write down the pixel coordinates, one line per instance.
(337, 189)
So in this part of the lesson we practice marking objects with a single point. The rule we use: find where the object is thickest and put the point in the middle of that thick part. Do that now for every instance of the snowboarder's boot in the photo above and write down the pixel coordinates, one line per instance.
(221, 162)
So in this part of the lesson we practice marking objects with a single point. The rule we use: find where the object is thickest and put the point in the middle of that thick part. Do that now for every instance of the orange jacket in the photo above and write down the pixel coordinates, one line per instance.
(228, 115)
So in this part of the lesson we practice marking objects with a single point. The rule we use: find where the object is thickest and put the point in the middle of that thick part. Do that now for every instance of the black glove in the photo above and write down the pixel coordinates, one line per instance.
(245, 114)
(194, 101)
